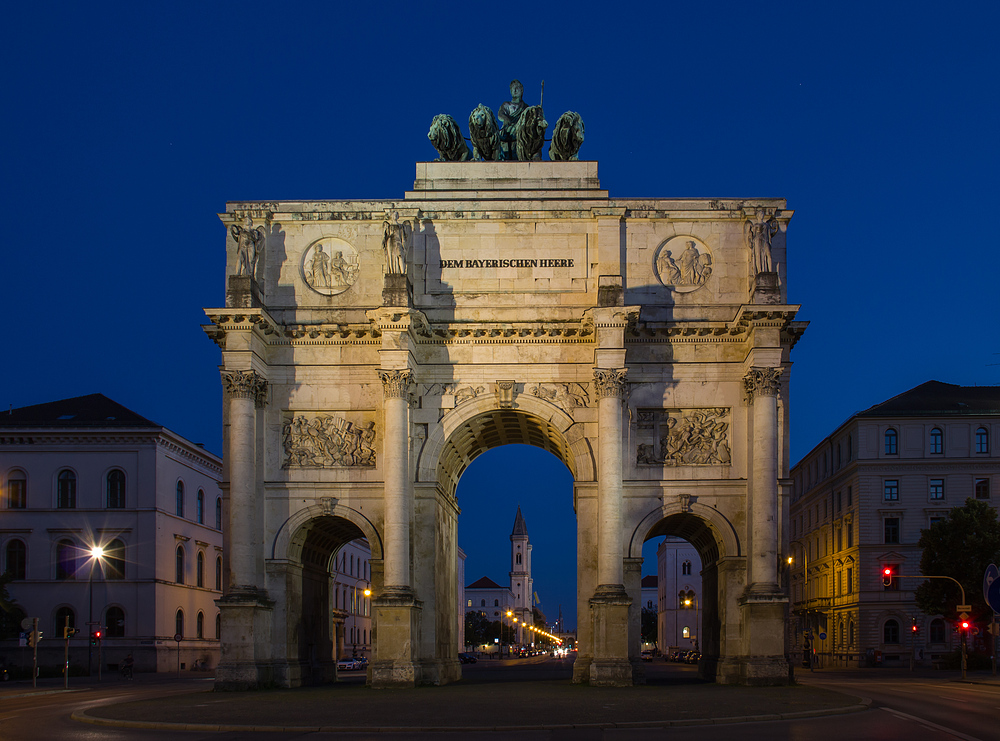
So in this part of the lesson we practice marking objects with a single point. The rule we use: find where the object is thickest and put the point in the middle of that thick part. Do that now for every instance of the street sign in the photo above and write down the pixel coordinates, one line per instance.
(991, 587)
(822, 636)
(28, 624)
(964, 608)
(178, 637)
(963, 615)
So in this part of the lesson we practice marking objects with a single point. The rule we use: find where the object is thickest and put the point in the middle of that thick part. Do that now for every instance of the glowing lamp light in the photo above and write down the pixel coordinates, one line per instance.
(96, 551)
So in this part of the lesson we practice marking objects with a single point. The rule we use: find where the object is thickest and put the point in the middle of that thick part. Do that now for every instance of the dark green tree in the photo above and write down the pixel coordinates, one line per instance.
(477, 629)
(961, 546)
(11, 613)
(648, 629)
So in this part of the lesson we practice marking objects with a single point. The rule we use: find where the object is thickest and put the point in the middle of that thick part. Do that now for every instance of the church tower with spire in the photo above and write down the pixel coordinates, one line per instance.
(521, 584)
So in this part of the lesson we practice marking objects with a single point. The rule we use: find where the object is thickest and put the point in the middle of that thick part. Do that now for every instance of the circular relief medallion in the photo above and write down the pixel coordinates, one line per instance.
(683, 264)
(330, 266)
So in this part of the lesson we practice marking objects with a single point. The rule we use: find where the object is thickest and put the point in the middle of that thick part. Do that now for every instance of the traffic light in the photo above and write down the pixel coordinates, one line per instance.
(887, 576)
(964, 625)
(95, 638)
(69, 632)
(33, 637)
(914, 628)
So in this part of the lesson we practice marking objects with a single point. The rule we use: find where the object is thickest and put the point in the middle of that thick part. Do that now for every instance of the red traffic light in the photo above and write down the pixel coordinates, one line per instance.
(887, 571)
(914, 628)
(97, 634)
(965, 625)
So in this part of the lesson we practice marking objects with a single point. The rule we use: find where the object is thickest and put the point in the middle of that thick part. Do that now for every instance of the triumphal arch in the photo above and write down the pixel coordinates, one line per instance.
(372, 349)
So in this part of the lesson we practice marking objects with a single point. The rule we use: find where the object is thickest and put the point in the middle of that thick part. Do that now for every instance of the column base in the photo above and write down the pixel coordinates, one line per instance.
(610, 665)
(762, 615)
(397, 615)
(245, 655)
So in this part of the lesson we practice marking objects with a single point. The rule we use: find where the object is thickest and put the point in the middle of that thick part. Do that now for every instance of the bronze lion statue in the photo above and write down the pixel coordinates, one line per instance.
(485, 134)
(567, 136)
(447, 140)
(530, 135)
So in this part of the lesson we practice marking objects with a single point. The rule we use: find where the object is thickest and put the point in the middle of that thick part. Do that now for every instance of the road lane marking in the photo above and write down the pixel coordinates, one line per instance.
(928, 724)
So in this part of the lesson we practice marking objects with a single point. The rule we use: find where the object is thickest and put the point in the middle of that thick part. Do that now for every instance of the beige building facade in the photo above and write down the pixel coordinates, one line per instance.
(372, 349)
(860, 499)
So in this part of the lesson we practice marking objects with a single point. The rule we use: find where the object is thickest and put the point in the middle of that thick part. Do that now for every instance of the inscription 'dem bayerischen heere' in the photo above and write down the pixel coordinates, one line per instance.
(506, 263)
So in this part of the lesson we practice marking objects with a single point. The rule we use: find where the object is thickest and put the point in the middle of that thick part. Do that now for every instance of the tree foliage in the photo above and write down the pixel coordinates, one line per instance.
(11, 613)
(961, 546)
(648, 629)
(479, 629)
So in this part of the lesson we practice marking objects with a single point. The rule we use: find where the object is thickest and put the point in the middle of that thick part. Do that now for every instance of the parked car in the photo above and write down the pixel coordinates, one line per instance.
(464, 658)
(348, 665)
(646, 656)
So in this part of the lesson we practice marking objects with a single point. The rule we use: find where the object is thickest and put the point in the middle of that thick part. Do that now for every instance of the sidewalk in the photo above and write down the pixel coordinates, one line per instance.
(481, 704)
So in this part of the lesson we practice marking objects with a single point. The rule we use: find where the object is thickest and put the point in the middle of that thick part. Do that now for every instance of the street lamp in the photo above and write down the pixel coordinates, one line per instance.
(96, 556)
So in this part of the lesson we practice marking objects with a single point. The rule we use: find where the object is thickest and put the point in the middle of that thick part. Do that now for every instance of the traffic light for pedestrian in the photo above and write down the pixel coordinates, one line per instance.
(914, 628)
(886, 576)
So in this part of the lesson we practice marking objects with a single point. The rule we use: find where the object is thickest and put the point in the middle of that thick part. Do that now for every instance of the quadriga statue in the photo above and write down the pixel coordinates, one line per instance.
(448, 140)
(530, 133)
(567, 136)
(485, 134)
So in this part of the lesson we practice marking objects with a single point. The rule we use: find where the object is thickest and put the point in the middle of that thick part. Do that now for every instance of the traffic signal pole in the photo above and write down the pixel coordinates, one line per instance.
(34, 648)
(887, 577)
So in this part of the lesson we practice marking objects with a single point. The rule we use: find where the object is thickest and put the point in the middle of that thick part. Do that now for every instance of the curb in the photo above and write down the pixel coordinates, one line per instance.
(83, 717)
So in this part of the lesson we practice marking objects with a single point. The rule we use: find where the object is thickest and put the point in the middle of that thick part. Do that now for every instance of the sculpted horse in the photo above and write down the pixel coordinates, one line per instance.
(530, 134)
(448, 140)
(485, 134)
(567, 136)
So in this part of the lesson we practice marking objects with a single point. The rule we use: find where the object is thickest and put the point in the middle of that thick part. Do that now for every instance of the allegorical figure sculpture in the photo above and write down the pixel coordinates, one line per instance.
(510, 114)
(448, 140)
(567, 136)
(249, 244)
(485, 134)
(395, 243)
(757, 231)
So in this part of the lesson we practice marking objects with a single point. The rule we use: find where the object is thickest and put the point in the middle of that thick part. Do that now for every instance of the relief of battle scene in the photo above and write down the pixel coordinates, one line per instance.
(691, 437)
(565, 395)
(327, 441)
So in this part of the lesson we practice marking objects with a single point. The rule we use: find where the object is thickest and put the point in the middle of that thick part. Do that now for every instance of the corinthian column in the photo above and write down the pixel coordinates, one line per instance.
(762, 386)
(246, 390)
(610, 387)
(395, 460)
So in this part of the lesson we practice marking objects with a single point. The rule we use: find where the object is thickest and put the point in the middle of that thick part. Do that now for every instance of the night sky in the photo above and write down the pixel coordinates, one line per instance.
(127, 126)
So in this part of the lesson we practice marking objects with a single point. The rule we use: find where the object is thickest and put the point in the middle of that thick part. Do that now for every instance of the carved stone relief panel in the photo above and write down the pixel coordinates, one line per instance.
(568, 396)
(683, 263)
(457, 392)
(683, 437)
(330, 266)
(317, 440)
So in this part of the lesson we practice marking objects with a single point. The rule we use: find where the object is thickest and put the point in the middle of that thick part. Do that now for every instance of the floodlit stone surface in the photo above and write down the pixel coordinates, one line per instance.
(643, 341)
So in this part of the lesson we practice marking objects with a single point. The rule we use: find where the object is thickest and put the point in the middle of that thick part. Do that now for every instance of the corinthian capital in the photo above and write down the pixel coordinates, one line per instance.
(396, 383)
(762, 382)
(610, 382)
(245, 385)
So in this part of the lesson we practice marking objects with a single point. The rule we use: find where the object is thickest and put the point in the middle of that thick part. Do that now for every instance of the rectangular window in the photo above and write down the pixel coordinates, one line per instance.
(850, 534)
(982, 488)
(840, 583)
(891, 529)
(850, 581)
(935, 520)
(890, 490)
(840, 541)
(838, 503)
(850, 496)
(937, 488)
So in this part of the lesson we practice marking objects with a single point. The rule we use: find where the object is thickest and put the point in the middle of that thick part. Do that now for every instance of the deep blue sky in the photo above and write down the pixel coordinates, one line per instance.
(127, 126)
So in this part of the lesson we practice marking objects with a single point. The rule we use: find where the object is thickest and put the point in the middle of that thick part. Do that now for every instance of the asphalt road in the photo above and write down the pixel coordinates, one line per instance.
(915, 709)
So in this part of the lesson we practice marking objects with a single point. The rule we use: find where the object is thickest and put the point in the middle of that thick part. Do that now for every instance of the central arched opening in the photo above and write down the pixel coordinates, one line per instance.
(513, 482)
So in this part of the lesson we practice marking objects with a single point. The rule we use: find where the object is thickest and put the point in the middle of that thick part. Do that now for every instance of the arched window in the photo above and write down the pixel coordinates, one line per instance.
(890, 632)
(686, 632)
(218, 627)
(17, 490)
(482, 603)
(518, 558)
(114, 622)
(200, 507)
(179, 563)
(200, 624)
(937, 440)
(179, 623)
(66, 490)
(61, 614)
(16, 562)
(496, 603)
(982, 440)
(218, 573)
(686, 568)
(65, 560)
(201, 569)
(116, 489)
(890, 442)
(114, 560)
(218, 513)
(179, 504)
(937, 631)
